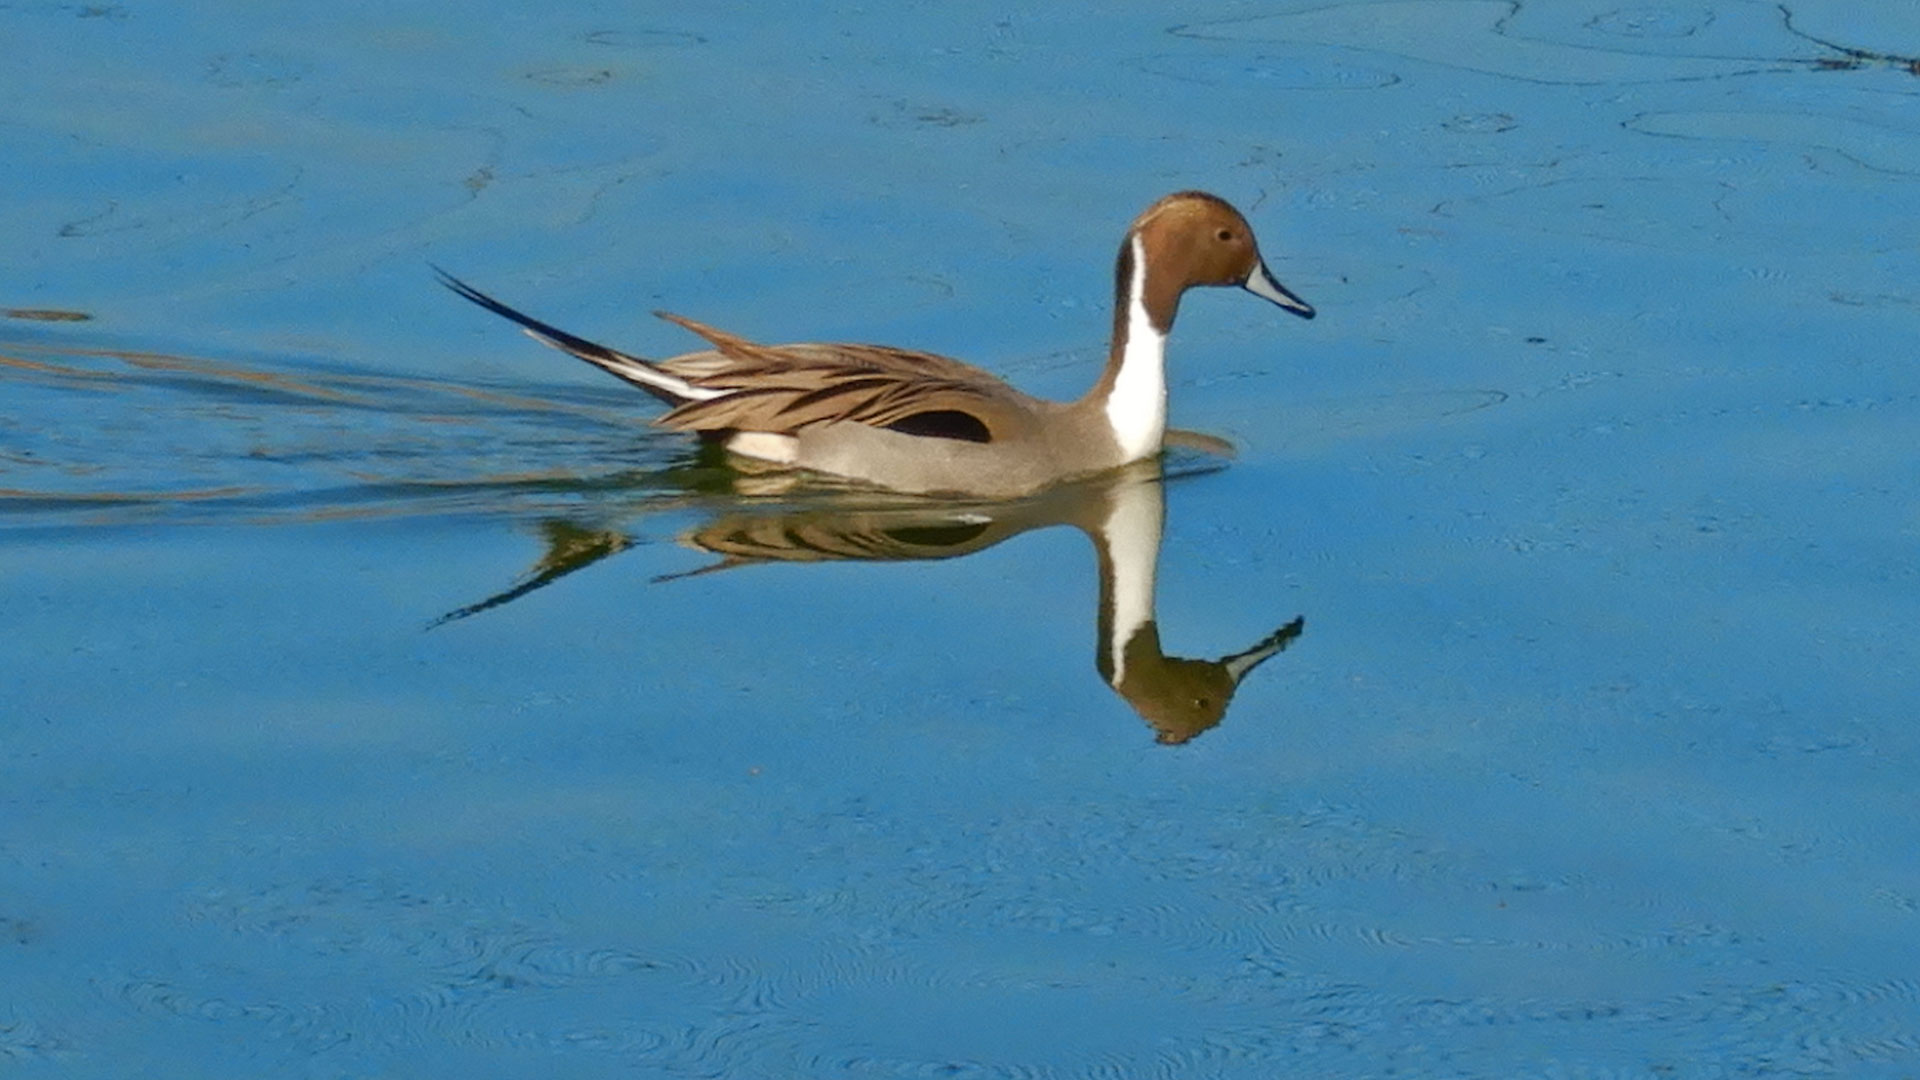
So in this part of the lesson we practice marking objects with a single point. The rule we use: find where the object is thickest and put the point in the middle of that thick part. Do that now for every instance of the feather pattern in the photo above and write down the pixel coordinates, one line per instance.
(784, 388)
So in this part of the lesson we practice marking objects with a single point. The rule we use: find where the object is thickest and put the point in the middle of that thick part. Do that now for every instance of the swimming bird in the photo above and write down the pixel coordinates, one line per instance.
(922, 423)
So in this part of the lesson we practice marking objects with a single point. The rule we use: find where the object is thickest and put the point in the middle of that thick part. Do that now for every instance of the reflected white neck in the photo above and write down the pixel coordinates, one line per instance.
(1131, 533)
(1137, 407)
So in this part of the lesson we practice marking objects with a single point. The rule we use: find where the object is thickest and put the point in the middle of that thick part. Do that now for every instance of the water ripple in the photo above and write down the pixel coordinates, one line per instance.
(182, 438)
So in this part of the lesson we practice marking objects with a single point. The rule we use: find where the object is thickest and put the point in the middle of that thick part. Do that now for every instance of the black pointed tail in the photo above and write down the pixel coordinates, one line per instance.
(631, 369)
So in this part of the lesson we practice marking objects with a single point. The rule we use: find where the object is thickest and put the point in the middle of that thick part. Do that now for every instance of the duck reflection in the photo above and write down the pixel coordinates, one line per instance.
(1122, 512)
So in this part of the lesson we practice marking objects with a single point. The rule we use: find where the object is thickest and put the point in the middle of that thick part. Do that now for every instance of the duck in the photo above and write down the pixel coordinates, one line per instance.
(925, 424)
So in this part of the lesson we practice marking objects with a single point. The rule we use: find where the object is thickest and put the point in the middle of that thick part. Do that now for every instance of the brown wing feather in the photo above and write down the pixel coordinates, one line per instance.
(783, 388)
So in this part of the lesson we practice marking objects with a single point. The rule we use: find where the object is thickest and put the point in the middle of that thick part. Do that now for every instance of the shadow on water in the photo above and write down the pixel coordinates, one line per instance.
(1122, 513)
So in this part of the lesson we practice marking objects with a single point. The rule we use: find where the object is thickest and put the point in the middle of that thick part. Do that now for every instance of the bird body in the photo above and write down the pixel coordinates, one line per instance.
(919, 422)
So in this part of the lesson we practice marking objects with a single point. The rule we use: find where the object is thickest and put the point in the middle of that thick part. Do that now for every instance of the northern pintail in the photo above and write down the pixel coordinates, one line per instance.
(922, 423)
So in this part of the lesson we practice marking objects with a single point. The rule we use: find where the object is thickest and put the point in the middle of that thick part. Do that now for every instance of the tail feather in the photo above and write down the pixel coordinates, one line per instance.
(668, 388)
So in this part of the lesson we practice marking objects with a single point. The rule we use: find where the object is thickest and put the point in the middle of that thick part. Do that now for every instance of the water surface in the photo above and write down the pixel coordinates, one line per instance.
(1593, 486)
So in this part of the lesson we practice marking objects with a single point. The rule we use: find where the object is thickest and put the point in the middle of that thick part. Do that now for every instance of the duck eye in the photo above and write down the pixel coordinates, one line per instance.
(1224, 234)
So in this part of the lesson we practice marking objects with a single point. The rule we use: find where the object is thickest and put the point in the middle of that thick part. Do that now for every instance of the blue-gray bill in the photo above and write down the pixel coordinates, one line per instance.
(1260, 283)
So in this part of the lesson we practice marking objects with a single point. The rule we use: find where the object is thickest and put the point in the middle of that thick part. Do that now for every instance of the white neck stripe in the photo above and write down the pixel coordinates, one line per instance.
(1137, 407)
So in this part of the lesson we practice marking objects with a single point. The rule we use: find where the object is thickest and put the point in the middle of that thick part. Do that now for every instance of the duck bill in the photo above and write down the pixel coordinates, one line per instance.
(1260, 283)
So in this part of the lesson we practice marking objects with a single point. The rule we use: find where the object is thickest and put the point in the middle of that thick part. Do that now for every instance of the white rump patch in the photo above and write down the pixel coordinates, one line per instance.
(1137, 409)
(765, 446)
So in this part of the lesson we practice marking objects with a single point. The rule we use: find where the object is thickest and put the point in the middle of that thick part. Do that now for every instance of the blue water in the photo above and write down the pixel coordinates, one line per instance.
(1594, 484)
